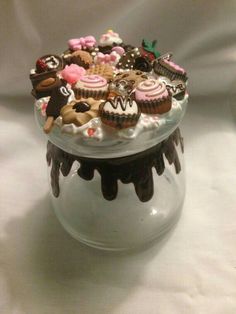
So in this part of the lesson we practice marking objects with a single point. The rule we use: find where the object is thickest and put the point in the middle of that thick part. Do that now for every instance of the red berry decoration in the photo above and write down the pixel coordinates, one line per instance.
(41, 66)
(91, 131)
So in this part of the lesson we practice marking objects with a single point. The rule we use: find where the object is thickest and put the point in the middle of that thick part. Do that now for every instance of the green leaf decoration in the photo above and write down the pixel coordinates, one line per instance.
(150, 46)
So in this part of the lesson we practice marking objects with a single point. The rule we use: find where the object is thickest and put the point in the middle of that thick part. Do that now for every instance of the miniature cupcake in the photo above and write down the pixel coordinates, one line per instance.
(108, 41)
(91, 86)
(152, 97)
(164, 66)
(120, 112)
(80, 112)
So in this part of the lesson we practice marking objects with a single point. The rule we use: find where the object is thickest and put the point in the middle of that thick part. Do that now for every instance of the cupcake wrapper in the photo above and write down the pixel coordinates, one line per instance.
(89, 93)
(161, 70)
(119, 121)
(155, 107)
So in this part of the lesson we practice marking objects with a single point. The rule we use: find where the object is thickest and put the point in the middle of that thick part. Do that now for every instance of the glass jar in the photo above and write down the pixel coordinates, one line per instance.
(118, 195)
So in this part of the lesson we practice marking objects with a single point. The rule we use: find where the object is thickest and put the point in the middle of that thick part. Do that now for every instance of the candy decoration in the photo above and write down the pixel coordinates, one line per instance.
(82, 43)
(148, 49)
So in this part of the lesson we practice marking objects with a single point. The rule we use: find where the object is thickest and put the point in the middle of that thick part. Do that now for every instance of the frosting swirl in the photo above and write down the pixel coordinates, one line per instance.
(93, 81)
(150, 89)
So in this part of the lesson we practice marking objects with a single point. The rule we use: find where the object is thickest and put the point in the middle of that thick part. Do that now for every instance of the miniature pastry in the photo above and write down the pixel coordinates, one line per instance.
(44, 85)
(120, 112)
(153, 97)
(80, 111)
(91, 86)
(49, 63)
(128, 59)
(104, 70)
(164, 66)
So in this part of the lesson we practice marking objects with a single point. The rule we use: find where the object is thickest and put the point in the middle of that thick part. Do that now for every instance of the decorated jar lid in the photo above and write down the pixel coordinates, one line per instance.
(107, 98)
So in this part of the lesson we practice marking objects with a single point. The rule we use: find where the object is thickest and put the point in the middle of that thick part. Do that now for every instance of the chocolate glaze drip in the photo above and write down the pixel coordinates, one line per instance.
(136, 169)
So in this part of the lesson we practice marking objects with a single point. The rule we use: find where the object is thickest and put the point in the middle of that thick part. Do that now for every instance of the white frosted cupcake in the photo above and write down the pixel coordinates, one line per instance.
(120, 112)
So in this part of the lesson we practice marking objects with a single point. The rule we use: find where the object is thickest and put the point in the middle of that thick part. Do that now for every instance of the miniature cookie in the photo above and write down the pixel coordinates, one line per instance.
(164, 66)
(104, 70)
(152, 97)
(80, 112)
(120, 112)
(81, 58)
(133, 76)
(91, 86)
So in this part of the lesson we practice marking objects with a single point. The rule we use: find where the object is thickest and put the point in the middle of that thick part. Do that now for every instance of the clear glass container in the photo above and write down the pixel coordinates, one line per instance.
(118, 195)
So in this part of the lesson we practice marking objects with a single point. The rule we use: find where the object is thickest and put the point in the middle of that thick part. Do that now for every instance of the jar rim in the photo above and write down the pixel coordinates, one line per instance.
(121, 143)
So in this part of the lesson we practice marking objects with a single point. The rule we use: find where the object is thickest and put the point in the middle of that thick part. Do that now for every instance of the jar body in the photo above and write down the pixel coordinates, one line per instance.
(122, 213)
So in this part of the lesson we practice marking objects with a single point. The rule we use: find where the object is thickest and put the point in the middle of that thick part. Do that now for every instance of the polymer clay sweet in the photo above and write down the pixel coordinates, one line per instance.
(91, 85)
(120, 112)
(153, 97)
(118, 76)
(166, 67)
(80, 112)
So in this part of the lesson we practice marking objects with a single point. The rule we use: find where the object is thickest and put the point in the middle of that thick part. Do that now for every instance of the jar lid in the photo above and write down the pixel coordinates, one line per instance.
(108, 99)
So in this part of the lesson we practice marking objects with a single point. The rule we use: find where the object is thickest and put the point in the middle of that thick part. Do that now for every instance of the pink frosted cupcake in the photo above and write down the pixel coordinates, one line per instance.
(94, 86)
(152, 97)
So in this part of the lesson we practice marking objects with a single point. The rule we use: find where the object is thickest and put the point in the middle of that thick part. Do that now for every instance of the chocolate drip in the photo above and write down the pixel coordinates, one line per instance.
(136, 169)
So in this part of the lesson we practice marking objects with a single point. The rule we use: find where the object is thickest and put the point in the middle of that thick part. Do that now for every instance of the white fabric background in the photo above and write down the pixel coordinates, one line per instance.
(193, 270)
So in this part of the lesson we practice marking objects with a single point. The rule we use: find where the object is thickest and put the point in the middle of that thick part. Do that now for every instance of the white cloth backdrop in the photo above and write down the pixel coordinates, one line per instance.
(193, 270)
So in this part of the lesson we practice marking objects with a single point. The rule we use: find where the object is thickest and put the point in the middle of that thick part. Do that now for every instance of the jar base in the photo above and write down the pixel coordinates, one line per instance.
(102, 246)
(118, 225)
